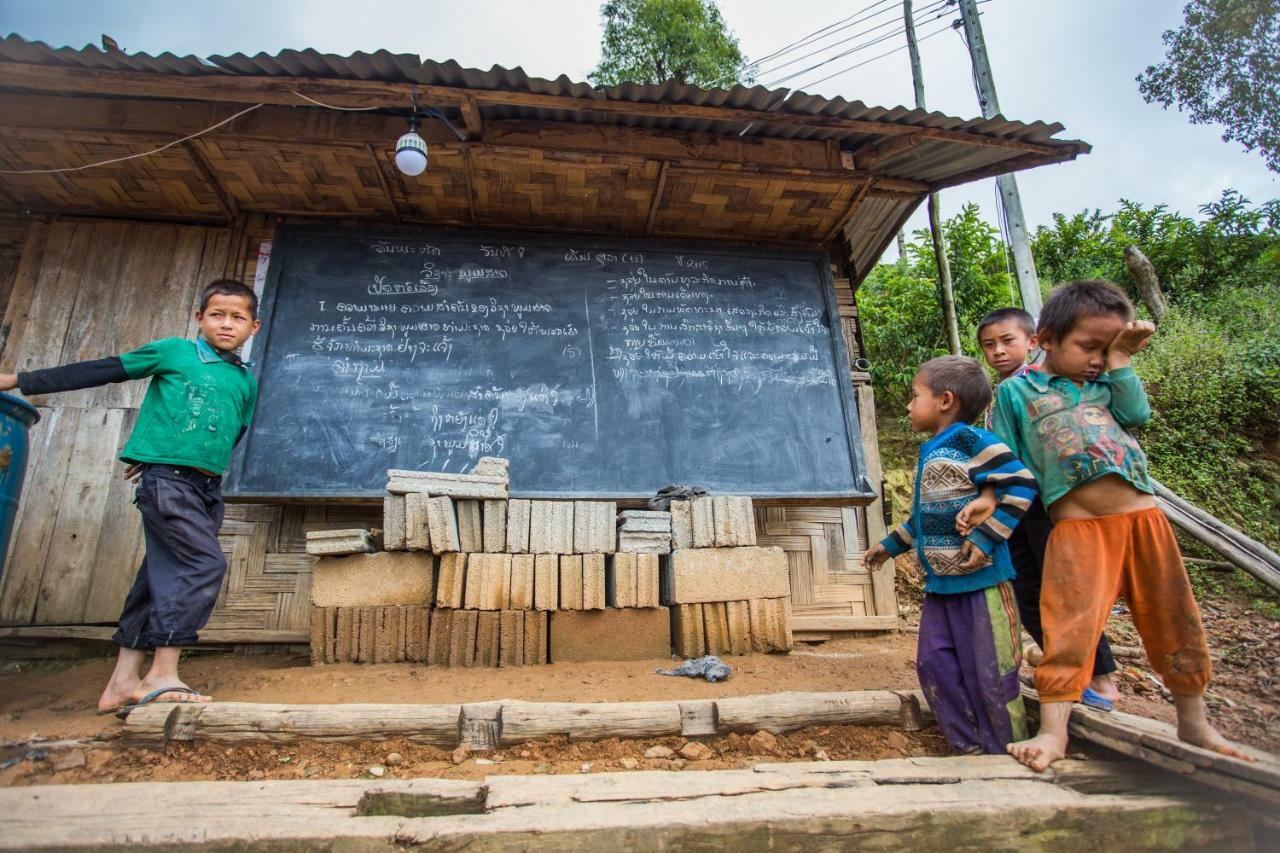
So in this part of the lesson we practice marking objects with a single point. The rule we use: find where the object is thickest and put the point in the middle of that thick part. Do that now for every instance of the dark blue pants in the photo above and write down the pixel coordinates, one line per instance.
(182, 572)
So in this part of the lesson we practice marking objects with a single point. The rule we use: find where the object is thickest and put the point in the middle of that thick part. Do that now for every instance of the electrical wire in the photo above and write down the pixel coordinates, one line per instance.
(331, 106)
(868, 61)
(131, 156)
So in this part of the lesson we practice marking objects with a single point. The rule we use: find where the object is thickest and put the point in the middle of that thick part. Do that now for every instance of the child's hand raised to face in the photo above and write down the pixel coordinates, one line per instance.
(975, 513)
(1135, 335)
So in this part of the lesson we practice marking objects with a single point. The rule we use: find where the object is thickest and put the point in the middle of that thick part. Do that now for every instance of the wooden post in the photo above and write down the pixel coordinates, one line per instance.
(950, 323)
(1024, 263)
(1144, 273)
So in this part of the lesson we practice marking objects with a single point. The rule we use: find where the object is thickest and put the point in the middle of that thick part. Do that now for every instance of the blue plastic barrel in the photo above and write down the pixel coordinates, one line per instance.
(16, 417)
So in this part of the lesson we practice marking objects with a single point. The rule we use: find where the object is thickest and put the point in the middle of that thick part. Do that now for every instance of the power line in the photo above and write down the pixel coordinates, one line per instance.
(924, 14)
(874, 58)
(837, 25)
(891, 22)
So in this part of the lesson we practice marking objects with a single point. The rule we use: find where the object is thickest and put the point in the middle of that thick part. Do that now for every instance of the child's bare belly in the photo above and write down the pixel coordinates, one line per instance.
(1107, 495)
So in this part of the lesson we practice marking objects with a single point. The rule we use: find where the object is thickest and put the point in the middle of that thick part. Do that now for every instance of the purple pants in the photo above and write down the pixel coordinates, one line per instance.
(967, 660)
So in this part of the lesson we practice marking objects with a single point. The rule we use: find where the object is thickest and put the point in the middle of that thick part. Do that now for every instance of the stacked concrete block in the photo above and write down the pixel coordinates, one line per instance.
(488, 583)
(732, 627)
(351, 540)
(593, 582)
(642, 531)
(719, 521)
(632, 634)
(571, 582)
(522, 581)
(632, 580)
(594, 529)
(518, 512)
(394, 534)
(457, 486)
(681, 524)
(546, 582)
(483, 638)
(417, 534)
(373, 580)
(699, 575)
(551, 527)
(442, 523)
(491, 466)
(470, 526)
(451, 585)
(385, 634)
(495, 526)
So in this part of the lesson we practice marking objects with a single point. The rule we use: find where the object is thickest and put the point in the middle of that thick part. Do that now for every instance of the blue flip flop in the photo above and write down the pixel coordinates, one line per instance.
(1090, 698)
(154, 696)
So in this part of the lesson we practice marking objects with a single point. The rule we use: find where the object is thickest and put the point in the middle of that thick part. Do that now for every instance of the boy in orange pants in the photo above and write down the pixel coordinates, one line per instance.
(1069, 424)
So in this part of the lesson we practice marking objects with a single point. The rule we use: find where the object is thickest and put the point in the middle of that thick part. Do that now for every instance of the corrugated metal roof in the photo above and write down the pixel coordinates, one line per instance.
(408, 68)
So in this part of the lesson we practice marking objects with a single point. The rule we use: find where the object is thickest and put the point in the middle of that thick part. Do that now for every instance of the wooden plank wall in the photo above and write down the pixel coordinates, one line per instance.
(86, 288)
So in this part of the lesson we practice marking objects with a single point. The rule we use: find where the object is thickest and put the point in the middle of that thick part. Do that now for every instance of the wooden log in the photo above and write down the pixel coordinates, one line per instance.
(780, 712)
(1144, 274)
(1249, 554)
(523, 721)
(240, 722)
(481, 724)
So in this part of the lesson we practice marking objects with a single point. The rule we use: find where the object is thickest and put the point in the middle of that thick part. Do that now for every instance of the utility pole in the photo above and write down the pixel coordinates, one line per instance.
(1024, 263)
(935, 220)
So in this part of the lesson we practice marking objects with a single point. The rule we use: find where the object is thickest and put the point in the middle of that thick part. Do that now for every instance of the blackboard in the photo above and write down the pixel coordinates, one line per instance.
(600, 368)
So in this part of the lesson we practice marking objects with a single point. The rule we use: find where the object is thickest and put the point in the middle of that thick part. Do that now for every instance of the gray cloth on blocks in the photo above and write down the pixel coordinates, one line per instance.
(710, 667)
(662, 500)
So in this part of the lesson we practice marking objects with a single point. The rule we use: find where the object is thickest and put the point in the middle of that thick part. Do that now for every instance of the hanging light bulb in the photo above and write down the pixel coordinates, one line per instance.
(411, 151)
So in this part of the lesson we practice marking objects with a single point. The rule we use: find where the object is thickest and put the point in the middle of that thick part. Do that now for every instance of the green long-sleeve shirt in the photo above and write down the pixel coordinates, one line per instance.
(1069, 435)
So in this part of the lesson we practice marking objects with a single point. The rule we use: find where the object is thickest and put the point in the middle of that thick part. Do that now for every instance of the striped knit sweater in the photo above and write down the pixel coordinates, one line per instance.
(952, 468)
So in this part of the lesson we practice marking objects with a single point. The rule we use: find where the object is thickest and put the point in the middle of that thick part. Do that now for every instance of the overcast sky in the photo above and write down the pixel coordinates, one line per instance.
(1070, 61)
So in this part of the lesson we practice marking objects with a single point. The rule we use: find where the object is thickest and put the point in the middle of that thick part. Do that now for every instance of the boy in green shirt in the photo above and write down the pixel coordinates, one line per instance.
(198, 405)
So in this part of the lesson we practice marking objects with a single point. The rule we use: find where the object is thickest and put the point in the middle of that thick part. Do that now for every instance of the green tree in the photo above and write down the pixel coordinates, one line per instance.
(652, 41)
(1223, 67)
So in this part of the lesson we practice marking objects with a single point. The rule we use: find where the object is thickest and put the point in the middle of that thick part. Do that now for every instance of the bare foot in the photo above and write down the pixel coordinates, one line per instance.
(1105, 686)
(117, 694)
(1201, 733)
(178, 693)
(1040, 751)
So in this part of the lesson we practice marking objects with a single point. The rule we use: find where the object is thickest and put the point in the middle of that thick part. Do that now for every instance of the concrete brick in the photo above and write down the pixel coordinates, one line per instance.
(536, 627)
(644, 521)
(734, 521)
(727, 574)
(681, 524)
(520, 596)
(387, 635)
(345, 640)
(571, 582)
(620, 581)
(393, 519)
(417, 530)
(462, 486)
(322, 631)
(366, 634)
(440, 637)
(594, 531)
(593, 591)
(687, 631)
(470, 526)
(715, 619)
(462, 637)
(323, 543)
(702, 514)
(488, 582)
(396, 577)
(633, 634)
(644, 542)
(443, 524)
(511, 638)
(491, 466)
(770, 624)
(417, 631)
(452, 579)
(518, 512)
(488, 638)
(546, 582)
(551, 527)
(738, 614)
(647, 580)
(495, 526)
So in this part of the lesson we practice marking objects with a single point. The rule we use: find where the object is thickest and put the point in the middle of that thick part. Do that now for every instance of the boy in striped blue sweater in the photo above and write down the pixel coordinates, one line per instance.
(969, 648)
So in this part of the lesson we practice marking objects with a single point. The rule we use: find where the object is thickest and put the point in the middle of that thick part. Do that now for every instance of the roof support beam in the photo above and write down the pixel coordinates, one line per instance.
(225, 201)
(659, 186)
(378, 94)
(471, 116)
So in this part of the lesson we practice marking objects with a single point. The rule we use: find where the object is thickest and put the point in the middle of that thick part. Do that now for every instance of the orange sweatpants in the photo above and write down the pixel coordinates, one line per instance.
(1088, 563)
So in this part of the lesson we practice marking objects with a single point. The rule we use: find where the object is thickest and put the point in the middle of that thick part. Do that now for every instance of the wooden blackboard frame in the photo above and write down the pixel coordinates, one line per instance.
(863, 495)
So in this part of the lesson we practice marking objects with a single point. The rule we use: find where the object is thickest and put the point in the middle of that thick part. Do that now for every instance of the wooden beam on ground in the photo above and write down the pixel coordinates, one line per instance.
(1247, 553)
(379, 94)
(844, 623)
(979, 802)
(1157, 744)
(198, 159)
(513, 721)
